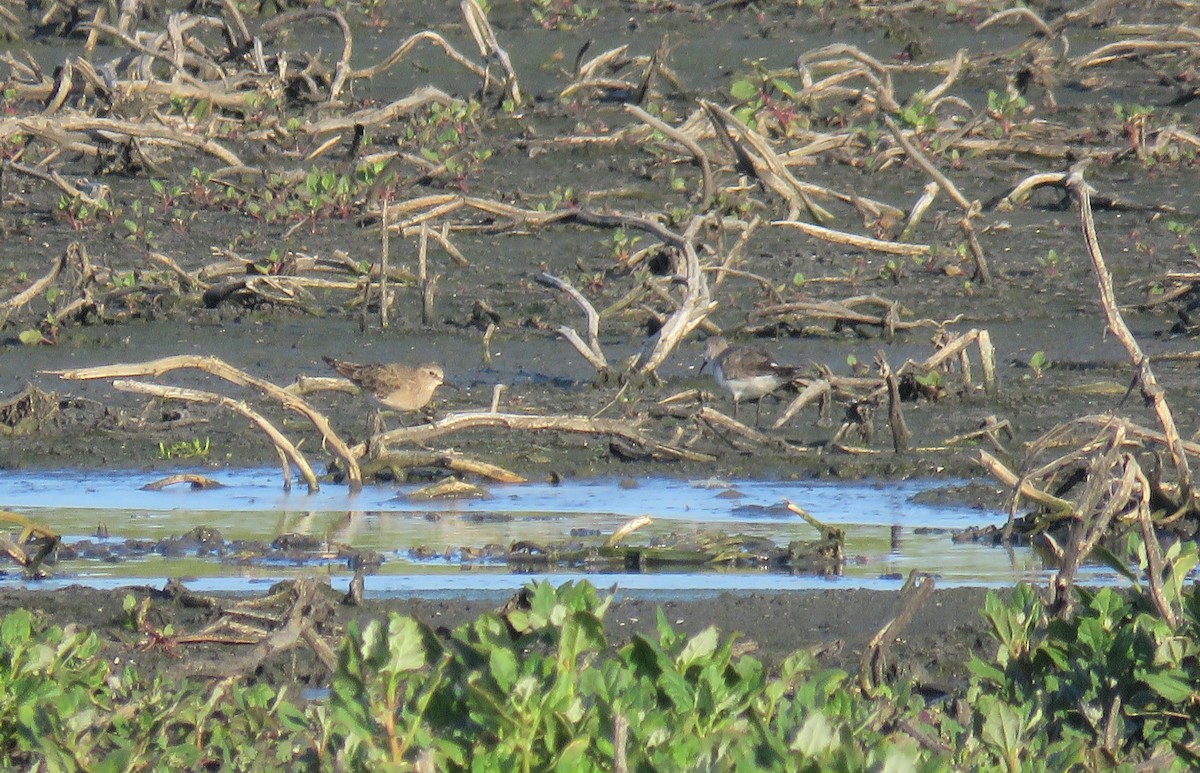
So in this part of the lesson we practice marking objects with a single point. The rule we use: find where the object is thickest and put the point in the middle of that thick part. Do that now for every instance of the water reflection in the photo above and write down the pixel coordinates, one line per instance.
(434, 547)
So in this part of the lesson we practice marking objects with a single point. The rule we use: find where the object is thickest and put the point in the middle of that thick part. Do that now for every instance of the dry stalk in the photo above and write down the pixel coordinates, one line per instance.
(754, 155)
(872, 70)
(971, 209)
(715, 418)
(381, 115)
(707, 188)
(901, 434)
(457, 422)
(53, 128)
(854, 240)
(287, 450)
(820, 390)
(693, 310)
(489, 48)
(1147, 383)
(1103, 498)
(400, 460)
(223, 370)
(591, 351)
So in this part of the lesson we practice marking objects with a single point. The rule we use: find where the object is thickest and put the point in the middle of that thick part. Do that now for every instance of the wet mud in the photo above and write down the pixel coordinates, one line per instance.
(1055, 361)
(837, 626)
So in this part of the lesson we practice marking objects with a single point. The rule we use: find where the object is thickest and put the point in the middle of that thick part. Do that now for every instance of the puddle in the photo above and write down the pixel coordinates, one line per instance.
(887, 534)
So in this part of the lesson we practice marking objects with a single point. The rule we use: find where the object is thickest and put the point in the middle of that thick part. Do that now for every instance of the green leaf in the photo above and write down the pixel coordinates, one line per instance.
(702, 645)
(405, 650)
(743, 90)
(503, 664)
(15, 629)
(1169, 686)
(31, 337)
(784, 87)
(816, 737)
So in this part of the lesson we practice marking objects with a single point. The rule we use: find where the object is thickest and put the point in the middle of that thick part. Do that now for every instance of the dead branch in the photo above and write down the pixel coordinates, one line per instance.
(457, 422)
(854, 240)
(754, 155)
(591, 351)
(970, 208)
(489, 48)
(402, 460)
(707, 187)
(223, 370)
(693, 310)
(1147, 383)
(286, 449)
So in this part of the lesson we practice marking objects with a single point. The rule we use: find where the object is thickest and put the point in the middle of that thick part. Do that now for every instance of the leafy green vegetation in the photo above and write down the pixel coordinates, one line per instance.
(538, 687)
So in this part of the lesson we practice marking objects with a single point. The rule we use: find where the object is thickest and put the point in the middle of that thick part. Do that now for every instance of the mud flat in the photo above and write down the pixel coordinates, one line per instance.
(767, 186)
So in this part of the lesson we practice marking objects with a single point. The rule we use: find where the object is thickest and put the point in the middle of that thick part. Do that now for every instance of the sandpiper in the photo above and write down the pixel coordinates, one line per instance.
(746, 372)
(399, 387)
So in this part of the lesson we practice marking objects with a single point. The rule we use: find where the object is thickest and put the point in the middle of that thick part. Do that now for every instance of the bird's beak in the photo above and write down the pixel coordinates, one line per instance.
(452, 385)
(704, 365)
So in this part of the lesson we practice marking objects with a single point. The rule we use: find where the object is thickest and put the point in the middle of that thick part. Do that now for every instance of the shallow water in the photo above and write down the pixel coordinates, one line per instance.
(887, 534)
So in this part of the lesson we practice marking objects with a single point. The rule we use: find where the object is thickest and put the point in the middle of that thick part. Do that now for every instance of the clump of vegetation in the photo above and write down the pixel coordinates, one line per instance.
(537, 686)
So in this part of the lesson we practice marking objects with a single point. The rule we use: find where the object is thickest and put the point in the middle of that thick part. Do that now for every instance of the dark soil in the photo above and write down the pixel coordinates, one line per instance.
(932, 652)
(1042, 300)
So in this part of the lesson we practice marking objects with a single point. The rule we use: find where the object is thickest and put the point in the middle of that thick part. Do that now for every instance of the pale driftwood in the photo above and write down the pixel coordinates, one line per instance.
(715, 418)
(1023, 13)
(1021, 190)
(58, 181)
(489, 48)
(591, 350)
(956, 65)
(817, 390)
(285, 447)
(367, 73)
(1000, 472)
(627, 528)
(1128, 49)
(441, 237)
(970, 208)
(224, 370)
(27, 295)
(874, 71)
(955, 348)
(844, 311)
(457, 422)
(707, 187)
(1147, 383)
(382, 115)
(448, 459)
(854, 240)
(52, 128)
(990, 429)
(918, 211)
(192, 479)
(755, 154)
(695, 307)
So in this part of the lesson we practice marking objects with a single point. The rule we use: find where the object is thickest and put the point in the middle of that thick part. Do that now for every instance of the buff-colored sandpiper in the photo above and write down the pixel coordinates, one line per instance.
(399, 387)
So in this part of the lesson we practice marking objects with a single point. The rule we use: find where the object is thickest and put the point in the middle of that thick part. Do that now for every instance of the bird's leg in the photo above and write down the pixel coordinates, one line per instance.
(375, 425)
(758, 413)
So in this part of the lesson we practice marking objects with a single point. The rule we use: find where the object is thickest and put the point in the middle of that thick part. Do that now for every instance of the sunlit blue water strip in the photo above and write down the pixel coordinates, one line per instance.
(887, 534)
(252, 491)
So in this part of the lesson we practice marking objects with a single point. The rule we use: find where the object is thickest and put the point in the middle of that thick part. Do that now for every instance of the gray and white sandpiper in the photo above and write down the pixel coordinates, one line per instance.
(746, 372)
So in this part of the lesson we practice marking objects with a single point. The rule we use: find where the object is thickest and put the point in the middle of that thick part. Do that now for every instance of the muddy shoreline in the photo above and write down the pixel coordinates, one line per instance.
(837, 626)
(179, 226)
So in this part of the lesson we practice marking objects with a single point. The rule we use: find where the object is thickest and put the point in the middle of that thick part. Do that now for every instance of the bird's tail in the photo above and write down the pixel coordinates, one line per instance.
(347, 369)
